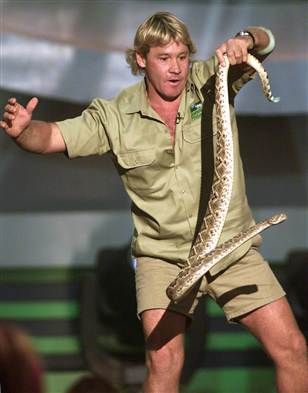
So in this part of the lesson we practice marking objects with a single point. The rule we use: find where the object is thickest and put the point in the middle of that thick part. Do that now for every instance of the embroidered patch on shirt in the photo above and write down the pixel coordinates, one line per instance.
(196, 110)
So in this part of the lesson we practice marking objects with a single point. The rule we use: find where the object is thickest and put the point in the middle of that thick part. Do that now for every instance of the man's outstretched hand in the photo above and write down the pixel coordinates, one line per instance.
(16, 117)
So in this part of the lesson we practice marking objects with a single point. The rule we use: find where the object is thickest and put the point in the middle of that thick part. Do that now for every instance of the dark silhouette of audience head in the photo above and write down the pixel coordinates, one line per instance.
(21, 368)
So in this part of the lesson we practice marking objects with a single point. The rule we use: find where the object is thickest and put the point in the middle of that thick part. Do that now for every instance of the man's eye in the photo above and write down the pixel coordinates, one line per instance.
(163, 58)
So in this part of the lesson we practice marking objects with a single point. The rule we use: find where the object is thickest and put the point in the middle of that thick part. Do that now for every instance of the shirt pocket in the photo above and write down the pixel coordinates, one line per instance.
(138, 168)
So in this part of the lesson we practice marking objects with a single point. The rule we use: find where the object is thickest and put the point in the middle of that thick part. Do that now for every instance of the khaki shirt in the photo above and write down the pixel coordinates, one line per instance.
(162, 180)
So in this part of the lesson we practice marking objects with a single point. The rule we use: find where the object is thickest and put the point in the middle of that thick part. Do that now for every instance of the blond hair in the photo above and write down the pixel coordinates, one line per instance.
(158, 30)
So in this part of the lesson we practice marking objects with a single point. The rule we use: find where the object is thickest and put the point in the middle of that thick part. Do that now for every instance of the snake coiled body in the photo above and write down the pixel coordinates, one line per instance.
(204, 254)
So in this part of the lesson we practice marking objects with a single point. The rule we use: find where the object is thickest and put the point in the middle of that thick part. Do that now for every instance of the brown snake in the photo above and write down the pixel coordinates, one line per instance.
(204, 254)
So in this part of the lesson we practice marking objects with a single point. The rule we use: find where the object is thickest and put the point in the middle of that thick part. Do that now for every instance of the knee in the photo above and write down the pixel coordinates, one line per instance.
(297, 346)
(292, 349)
(165, 360)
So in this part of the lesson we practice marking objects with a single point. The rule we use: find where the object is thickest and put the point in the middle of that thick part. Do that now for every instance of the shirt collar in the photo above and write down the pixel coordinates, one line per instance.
(139, 100)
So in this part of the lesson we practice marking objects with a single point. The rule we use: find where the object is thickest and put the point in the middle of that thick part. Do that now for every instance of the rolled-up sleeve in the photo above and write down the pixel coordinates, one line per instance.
(87, 134)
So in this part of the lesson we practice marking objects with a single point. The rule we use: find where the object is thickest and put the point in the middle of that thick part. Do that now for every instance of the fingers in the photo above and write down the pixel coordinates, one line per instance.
(236, 50)
(11, 111)
(236, 55)
(6, 122)
(12, 100)
(220, 52)
(3, 125)
(9, 114)
(14, 110)
(11, 105)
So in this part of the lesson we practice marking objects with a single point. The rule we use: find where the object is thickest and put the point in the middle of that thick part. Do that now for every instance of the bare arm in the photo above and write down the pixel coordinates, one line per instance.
(41, 137)
(31, 135)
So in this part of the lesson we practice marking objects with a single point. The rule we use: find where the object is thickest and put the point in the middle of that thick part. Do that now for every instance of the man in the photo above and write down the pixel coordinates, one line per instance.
(154, 131)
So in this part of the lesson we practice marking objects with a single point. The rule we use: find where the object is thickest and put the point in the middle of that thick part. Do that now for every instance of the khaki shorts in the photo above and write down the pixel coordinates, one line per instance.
(243, 286)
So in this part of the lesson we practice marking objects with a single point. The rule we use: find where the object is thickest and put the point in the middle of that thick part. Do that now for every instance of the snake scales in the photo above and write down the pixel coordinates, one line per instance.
(204, 254)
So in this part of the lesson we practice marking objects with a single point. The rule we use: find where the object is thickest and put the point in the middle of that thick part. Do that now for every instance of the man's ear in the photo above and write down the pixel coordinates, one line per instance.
(141, 61)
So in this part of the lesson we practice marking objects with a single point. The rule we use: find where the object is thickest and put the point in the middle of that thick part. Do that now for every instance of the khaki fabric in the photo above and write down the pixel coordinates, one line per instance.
(243, 286)
(162, 180)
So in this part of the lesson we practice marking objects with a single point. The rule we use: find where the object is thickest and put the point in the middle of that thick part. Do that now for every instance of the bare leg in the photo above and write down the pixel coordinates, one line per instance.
(275, 327)
(164, 335)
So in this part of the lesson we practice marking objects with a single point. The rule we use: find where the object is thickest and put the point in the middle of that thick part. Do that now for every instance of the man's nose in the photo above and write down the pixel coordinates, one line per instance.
(175, 66)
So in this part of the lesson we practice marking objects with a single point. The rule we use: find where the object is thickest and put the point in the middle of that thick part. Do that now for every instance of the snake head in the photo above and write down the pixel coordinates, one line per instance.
(277, 218)
(274, 99)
